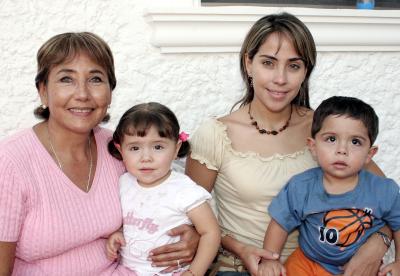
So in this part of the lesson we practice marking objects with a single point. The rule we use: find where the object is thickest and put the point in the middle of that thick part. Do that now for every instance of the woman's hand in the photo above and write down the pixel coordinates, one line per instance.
(367, 260)
(7, 256)
(271, 268)
(251, 257)
(182, 251)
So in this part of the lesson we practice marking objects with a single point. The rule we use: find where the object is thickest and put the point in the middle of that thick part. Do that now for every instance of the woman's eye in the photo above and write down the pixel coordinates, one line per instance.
(356, 142)
(295, 66)
(268, 62)
(96, 79)
(66, 79)
(158, 147)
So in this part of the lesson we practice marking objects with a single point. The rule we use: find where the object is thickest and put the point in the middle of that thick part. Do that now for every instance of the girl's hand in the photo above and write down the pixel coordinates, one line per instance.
(184, 250)
(271, 268)
(368, 258)
(251, 257)
(114, 243)
(393, 268)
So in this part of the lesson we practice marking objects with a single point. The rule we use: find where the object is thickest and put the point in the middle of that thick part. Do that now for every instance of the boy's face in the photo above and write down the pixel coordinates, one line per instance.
(342, 147)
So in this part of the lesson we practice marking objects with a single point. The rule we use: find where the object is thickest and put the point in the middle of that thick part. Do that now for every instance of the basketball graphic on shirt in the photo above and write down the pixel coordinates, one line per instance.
(345, 227)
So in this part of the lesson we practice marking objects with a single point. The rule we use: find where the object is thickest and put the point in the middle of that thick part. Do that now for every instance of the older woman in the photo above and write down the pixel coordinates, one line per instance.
(58, 185)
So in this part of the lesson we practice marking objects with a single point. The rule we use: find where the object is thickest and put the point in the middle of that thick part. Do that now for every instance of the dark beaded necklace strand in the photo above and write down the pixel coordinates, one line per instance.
(269, 132)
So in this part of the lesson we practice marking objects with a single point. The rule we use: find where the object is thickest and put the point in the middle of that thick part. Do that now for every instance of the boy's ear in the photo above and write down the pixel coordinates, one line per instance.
(372, 151)
(311, 146)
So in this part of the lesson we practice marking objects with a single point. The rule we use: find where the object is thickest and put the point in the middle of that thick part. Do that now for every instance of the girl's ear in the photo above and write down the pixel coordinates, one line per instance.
(178, 147)
(372, 151)
(118, 146)
(311, 146)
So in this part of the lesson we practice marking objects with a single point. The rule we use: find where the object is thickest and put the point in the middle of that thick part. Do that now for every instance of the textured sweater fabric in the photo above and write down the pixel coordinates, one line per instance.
(59, 229)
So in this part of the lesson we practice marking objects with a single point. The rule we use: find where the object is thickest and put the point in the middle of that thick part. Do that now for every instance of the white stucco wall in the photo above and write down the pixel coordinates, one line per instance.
(195, 86)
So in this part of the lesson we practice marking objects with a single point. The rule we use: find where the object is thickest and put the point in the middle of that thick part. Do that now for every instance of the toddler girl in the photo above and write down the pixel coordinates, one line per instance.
(154, 198)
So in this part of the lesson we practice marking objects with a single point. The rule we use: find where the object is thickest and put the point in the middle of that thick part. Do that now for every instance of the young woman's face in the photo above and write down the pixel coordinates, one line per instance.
(77, 94)
(149, 158)
(277, 72)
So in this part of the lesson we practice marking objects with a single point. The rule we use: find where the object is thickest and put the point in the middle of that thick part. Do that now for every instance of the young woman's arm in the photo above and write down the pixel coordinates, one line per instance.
(367, 260)
(184, 250)
(7, 256)
(200, 174)
(206, 224)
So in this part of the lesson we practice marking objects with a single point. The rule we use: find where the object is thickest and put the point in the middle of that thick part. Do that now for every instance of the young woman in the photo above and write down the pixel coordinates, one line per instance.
(248, 155)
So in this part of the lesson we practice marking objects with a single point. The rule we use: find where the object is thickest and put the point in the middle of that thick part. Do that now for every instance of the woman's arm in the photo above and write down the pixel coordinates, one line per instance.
(210, 237)
(7, 256)
(184, 250)
(373, 167)
(250, 255)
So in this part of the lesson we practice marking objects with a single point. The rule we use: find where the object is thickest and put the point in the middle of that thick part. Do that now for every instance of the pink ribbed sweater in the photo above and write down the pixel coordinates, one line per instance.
(59, 229)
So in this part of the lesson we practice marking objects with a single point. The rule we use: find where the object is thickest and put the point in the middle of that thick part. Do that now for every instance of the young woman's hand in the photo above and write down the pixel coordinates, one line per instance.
(393, 268)
(182, 251)
(251, 257)
(114, 243)
(271, 268)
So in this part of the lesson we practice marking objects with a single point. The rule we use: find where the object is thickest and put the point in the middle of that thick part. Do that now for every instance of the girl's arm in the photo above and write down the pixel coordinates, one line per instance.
(7, 256)
(206, 225)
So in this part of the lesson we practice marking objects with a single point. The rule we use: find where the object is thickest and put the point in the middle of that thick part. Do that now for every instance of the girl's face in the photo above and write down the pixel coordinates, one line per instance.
(148, 158)
(277, 71)
(77, 94)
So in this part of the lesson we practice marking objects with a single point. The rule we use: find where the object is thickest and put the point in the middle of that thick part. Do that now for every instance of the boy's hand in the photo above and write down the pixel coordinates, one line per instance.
(271, 268)
(393, 268)
(114, 243)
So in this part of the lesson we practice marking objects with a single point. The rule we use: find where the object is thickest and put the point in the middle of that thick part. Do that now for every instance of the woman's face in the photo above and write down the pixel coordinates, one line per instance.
(277, 71)
(77, 94)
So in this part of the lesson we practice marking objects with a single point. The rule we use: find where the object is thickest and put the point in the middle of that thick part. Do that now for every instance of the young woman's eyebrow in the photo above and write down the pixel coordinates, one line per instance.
(290, 59)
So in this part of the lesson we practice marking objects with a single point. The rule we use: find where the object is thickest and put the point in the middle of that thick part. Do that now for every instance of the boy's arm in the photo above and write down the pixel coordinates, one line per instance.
(274, 240)
(206, 225)
(275, 237)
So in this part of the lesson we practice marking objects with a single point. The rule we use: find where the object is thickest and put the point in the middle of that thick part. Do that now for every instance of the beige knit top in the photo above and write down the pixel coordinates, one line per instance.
(246, 182)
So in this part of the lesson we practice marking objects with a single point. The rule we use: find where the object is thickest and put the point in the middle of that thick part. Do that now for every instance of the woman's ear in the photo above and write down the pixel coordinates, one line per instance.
(311, 146)
(43, 93)
(249, 65)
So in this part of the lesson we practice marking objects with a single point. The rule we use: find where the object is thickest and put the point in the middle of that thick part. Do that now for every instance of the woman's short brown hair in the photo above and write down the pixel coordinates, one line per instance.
(66, 46)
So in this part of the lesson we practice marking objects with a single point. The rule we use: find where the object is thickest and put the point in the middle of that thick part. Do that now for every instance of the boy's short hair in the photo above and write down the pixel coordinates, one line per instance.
(347, 106)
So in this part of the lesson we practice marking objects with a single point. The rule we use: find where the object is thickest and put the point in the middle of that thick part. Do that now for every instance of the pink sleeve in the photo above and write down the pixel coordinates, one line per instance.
(12, 204)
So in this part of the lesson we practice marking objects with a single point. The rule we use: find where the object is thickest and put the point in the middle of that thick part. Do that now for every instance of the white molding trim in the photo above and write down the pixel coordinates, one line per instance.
(222, 29)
